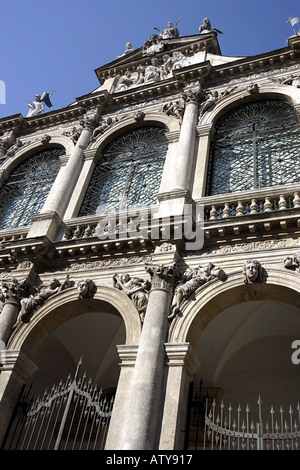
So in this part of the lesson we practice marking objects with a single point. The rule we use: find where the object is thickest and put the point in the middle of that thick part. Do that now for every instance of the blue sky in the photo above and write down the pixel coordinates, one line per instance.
(57, 44)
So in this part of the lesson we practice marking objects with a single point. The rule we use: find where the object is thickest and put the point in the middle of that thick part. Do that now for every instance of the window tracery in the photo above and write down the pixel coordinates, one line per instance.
(27, 188)
(129, 172)
(255, 146)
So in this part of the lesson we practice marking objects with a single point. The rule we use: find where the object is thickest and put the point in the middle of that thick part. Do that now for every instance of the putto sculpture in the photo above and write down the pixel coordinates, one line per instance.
(38, 105)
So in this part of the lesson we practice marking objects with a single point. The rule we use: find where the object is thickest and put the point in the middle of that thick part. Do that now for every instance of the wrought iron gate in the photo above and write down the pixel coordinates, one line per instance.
(211, 426)
(73, 416)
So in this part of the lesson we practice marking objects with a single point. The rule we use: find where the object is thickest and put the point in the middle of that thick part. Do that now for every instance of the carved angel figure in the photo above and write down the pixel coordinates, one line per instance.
(190, 280)
(137, 290)
(41, 294)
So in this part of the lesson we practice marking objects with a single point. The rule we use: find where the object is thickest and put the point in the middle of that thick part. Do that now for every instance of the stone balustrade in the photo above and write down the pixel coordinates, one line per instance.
(254, 205)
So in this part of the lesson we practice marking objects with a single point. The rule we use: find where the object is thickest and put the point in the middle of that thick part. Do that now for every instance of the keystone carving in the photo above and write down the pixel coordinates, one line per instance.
(86, 289)
(252, 271)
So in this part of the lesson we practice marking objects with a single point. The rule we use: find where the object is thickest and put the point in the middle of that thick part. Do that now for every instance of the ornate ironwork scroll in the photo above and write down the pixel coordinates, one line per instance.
(128, 173)
(73, 416)
(255, 146)
(27, 188)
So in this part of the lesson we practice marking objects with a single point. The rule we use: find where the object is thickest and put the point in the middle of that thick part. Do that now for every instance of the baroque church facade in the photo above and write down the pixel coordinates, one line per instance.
(150, 239)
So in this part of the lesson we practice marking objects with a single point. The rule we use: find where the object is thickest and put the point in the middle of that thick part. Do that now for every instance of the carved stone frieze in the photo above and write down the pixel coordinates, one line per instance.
(157, 69)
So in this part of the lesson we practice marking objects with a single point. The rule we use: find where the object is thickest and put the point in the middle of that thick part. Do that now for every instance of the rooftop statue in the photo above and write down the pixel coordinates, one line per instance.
(38, 106)
(128, 48)
(170, 32)
(207, 28)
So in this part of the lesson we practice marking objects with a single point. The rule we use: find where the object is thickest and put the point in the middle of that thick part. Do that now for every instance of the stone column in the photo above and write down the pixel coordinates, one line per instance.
(144, 404)
(10, 296)
(49, 220)
(186, 144)
(15, 368)
(205, 132)
(127, 354)
(172, 202)
(182, 364)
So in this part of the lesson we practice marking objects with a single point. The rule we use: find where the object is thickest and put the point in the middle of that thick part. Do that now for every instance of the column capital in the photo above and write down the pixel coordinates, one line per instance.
(182, 355)
(205, 130)
(163, 267)
(192, 96)
(15, 360)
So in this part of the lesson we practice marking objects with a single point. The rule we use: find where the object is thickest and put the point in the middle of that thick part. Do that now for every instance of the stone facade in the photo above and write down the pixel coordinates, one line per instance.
(143, 292)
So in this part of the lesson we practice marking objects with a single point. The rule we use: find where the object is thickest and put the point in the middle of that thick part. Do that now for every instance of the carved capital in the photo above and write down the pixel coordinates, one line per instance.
(10, 291)
(162, 276)
(192, 96)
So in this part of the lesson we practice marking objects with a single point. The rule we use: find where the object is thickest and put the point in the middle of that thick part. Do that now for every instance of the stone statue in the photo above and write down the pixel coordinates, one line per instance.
(206, 27)
(136, 289)
(170, 32)
(252, 271)
(41, 294)
(38, 106)
(102, 127)
(86, 288)
(175, 109)
(292, 262)
(128, 48)
(190, 280)
(211, 99)
(153, 45)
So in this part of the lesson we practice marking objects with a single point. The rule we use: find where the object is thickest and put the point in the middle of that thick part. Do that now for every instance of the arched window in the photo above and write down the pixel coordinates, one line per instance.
(27, 188)
(129, 172)
(255, 145)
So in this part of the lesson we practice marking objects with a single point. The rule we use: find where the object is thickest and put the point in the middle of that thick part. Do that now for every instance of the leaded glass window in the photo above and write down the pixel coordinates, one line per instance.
(255, 145)
(27, 188)
(129, 172)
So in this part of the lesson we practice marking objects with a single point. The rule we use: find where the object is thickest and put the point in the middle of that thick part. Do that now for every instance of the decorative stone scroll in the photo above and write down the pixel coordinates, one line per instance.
(189, 281)
(136, 289)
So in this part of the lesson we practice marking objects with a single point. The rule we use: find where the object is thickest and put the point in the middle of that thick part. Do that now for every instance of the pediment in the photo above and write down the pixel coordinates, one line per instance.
(157, 59)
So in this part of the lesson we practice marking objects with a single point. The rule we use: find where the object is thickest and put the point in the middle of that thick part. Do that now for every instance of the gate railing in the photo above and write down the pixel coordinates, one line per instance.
(225, 430)
(72, 416)
(212, 426)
